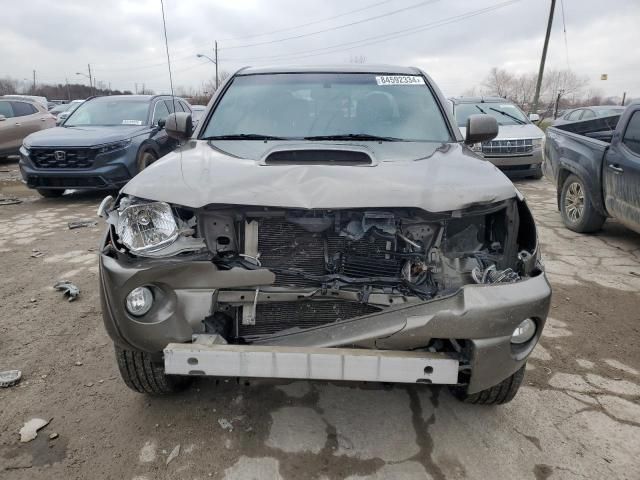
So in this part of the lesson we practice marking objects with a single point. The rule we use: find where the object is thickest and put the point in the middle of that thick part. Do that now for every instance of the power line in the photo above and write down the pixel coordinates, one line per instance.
(338, 27)
(315, 22)
(379, 38)
(196, 46)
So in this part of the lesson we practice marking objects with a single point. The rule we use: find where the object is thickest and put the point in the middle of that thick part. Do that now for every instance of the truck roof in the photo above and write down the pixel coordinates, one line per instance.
(388, 69)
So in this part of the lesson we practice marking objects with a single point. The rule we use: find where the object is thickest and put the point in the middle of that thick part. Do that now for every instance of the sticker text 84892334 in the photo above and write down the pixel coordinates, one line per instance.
(400, 80)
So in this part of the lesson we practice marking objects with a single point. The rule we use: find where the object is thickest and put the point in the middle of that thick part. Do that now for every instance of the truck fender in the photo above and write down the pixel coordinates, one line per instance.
(565, 169)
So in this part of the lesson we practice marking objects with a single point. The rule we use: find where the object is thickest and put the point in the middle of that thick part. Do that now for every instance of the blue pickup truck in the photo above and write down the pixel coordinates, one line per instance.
(595, 165)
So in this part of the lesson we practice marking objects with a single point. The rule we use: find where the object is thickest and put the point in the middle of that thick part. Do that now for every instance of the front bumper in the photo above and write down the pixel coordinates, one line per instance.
(483, 315)
(109, 172)
(519, 165)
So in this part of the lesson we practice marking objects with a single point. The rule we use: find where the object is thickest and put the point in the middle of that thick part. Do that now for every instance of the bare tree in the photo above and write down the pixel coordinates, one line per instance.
(210, 86)
(499, 82)
(8, 86)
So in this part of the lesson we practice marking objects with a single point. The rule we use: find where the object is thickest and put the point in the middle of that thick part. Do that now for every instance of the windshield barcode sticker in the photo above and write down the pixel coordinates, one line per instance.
(400, 80)
(131, 122)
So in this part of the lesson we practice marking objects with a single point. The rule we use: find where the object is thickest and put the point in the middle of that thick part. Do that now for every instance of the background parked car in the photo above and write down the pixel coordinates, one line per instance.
(63, 111)
(197, 111)
(517, 149)
(595, 165)
(19, 118)
(32, 98)
(103, 144)
(587, 113)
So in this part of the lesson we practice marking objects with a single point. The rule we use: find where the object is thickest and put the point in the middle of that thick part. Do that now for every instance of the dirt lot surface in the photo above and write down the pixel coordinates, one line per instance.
(578, 415)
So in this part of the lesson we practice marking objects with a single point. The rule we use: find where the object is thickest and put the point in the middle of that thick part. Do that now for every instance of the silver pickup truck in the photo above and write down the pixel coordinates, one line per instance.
(324, 223)
(595, 165)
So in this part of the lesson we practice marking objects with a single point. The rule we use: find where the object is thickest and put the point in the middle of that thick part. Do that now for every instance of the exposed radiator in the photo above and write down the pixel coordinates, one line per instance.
(275, 316)
(286, 245)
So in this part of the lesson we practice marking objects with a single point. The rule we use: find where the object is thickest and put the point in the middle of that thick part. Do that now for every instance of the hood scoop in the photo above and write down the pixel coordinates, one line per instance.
(352, 157)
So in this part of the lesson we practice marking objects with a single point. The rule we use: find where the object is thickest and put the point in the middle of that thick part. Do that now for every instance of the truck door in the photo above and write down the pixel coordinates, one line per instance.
(622, 174)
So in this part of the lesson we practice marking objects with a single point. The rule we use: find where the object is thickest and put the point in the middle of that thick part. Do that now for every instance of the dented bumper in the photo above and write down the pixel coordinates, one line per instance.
(483, 315)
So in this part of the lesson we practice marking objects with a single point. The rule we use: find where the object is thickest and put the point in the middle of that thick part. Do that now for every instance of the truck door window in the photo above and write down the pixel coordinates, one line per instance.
(575, 115)
(631, 137)
(6, 109)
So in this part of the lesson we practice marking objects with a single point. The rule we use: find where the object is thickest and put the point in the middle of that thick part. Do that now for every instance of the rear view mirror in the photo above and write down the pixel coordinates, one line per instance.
(534, 117)
(161, 123)
(179, 125)
(480, 128)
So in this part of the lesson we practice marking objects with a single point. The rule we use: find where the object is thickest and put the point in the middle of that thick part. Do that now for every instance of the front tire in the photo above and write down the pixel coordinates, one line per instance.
(142, 375)
(496, 395)
(576, 207)
(46, 193)
(145, 158)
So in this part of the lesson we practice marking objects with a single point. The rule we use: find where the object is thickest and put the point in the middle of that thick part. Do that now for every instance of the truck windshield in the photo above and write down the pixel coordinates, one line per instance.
(504, 113)
(327, 106)
(106, 112)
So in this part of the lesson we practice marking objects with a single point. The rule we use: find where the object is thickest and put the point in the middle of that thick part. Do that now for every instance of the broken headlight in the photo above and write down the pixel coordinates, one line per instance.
(147, 227)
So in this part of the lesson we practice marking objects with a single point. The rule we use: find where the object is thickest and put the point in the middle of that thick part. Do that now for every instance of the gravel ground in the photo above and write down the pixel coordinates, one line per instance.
(577, 416)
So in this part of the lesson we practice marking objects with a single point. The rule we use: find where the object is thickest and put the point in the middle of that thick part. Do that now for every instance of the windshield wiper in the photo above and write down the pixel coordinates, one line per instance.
(520, 122)
(244, 136)
(355, 136)
(480, 109)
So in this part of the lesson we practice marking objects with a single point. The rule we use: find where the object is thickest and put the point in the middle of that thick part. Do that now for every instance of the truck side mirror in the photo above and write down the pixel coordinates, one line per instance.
(480, 128)
(179, 125)
(534, 117)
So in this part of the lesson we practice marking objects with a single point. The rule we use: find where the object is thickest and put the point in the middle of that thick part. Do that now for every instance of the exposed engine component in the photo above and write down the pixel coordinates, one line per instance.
(341, 264)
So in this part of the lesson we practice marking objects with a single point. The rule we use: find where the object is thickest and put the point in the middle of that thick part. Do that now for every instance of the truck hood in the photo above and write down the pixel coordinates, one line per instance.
(82, 136)
(512, 132)
(430, 176)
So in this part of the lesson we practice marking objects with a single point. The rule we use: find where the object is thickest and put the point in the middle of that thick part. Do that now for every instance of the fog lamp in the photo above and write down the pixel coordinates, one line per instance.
(524, 332)
(139, 301)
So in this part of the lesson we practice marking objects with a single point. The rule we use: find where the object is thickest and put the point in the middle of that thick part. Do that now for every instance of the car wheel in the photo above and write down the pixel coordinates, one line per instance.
(46, 193)
(496, 395)
(145, 158)
(538, 174)
(142, 375)
(576, 208)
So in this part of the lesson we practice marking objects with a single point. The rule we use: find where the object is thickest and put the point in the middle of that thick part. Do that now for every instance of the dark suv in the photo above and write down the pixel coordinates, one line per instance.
(102, 145)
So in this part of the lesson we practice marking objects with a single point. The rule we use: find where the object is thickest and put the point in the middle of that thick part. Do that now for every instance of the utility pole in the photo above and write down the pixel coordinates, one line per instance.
(68, 89)
(536, 97)
(215, 51)
(34, 81)
(90, 79)
(624, 97)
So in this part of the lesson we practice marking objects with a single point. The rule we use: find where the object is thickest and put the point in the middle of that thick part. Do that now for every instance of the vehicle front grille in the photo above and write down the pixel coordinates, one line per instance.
(507, 148)
(276, 316)
(286, 245)
(62, 158)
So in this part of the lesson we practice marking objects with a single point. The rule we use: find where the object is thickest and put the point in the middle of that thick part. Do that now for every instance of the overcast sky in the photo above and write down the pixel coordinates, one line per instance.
(455, 41)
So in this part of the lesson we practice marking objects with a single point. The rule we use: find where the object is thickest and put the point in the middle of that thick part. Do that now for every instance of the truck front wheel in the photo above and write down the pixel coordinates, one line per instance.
(142, 375)
(576, 207)
(496, 395)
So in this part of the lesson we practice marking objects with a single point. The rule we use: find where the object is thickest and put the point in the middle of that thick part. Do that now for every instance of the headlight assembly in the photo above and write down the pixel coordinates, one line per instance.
(537, 142)
(147, 227)
(112, 147)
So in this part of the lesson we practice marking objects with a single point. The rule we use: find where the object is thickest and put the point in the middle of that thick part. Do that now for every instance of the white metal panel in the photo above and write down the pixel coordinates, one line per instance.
(309, 363)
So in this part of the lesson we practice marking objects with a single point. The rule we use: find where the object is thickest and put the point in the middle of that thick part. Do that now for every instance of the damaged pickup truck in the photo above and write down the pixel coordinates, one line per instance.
(324, 223)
